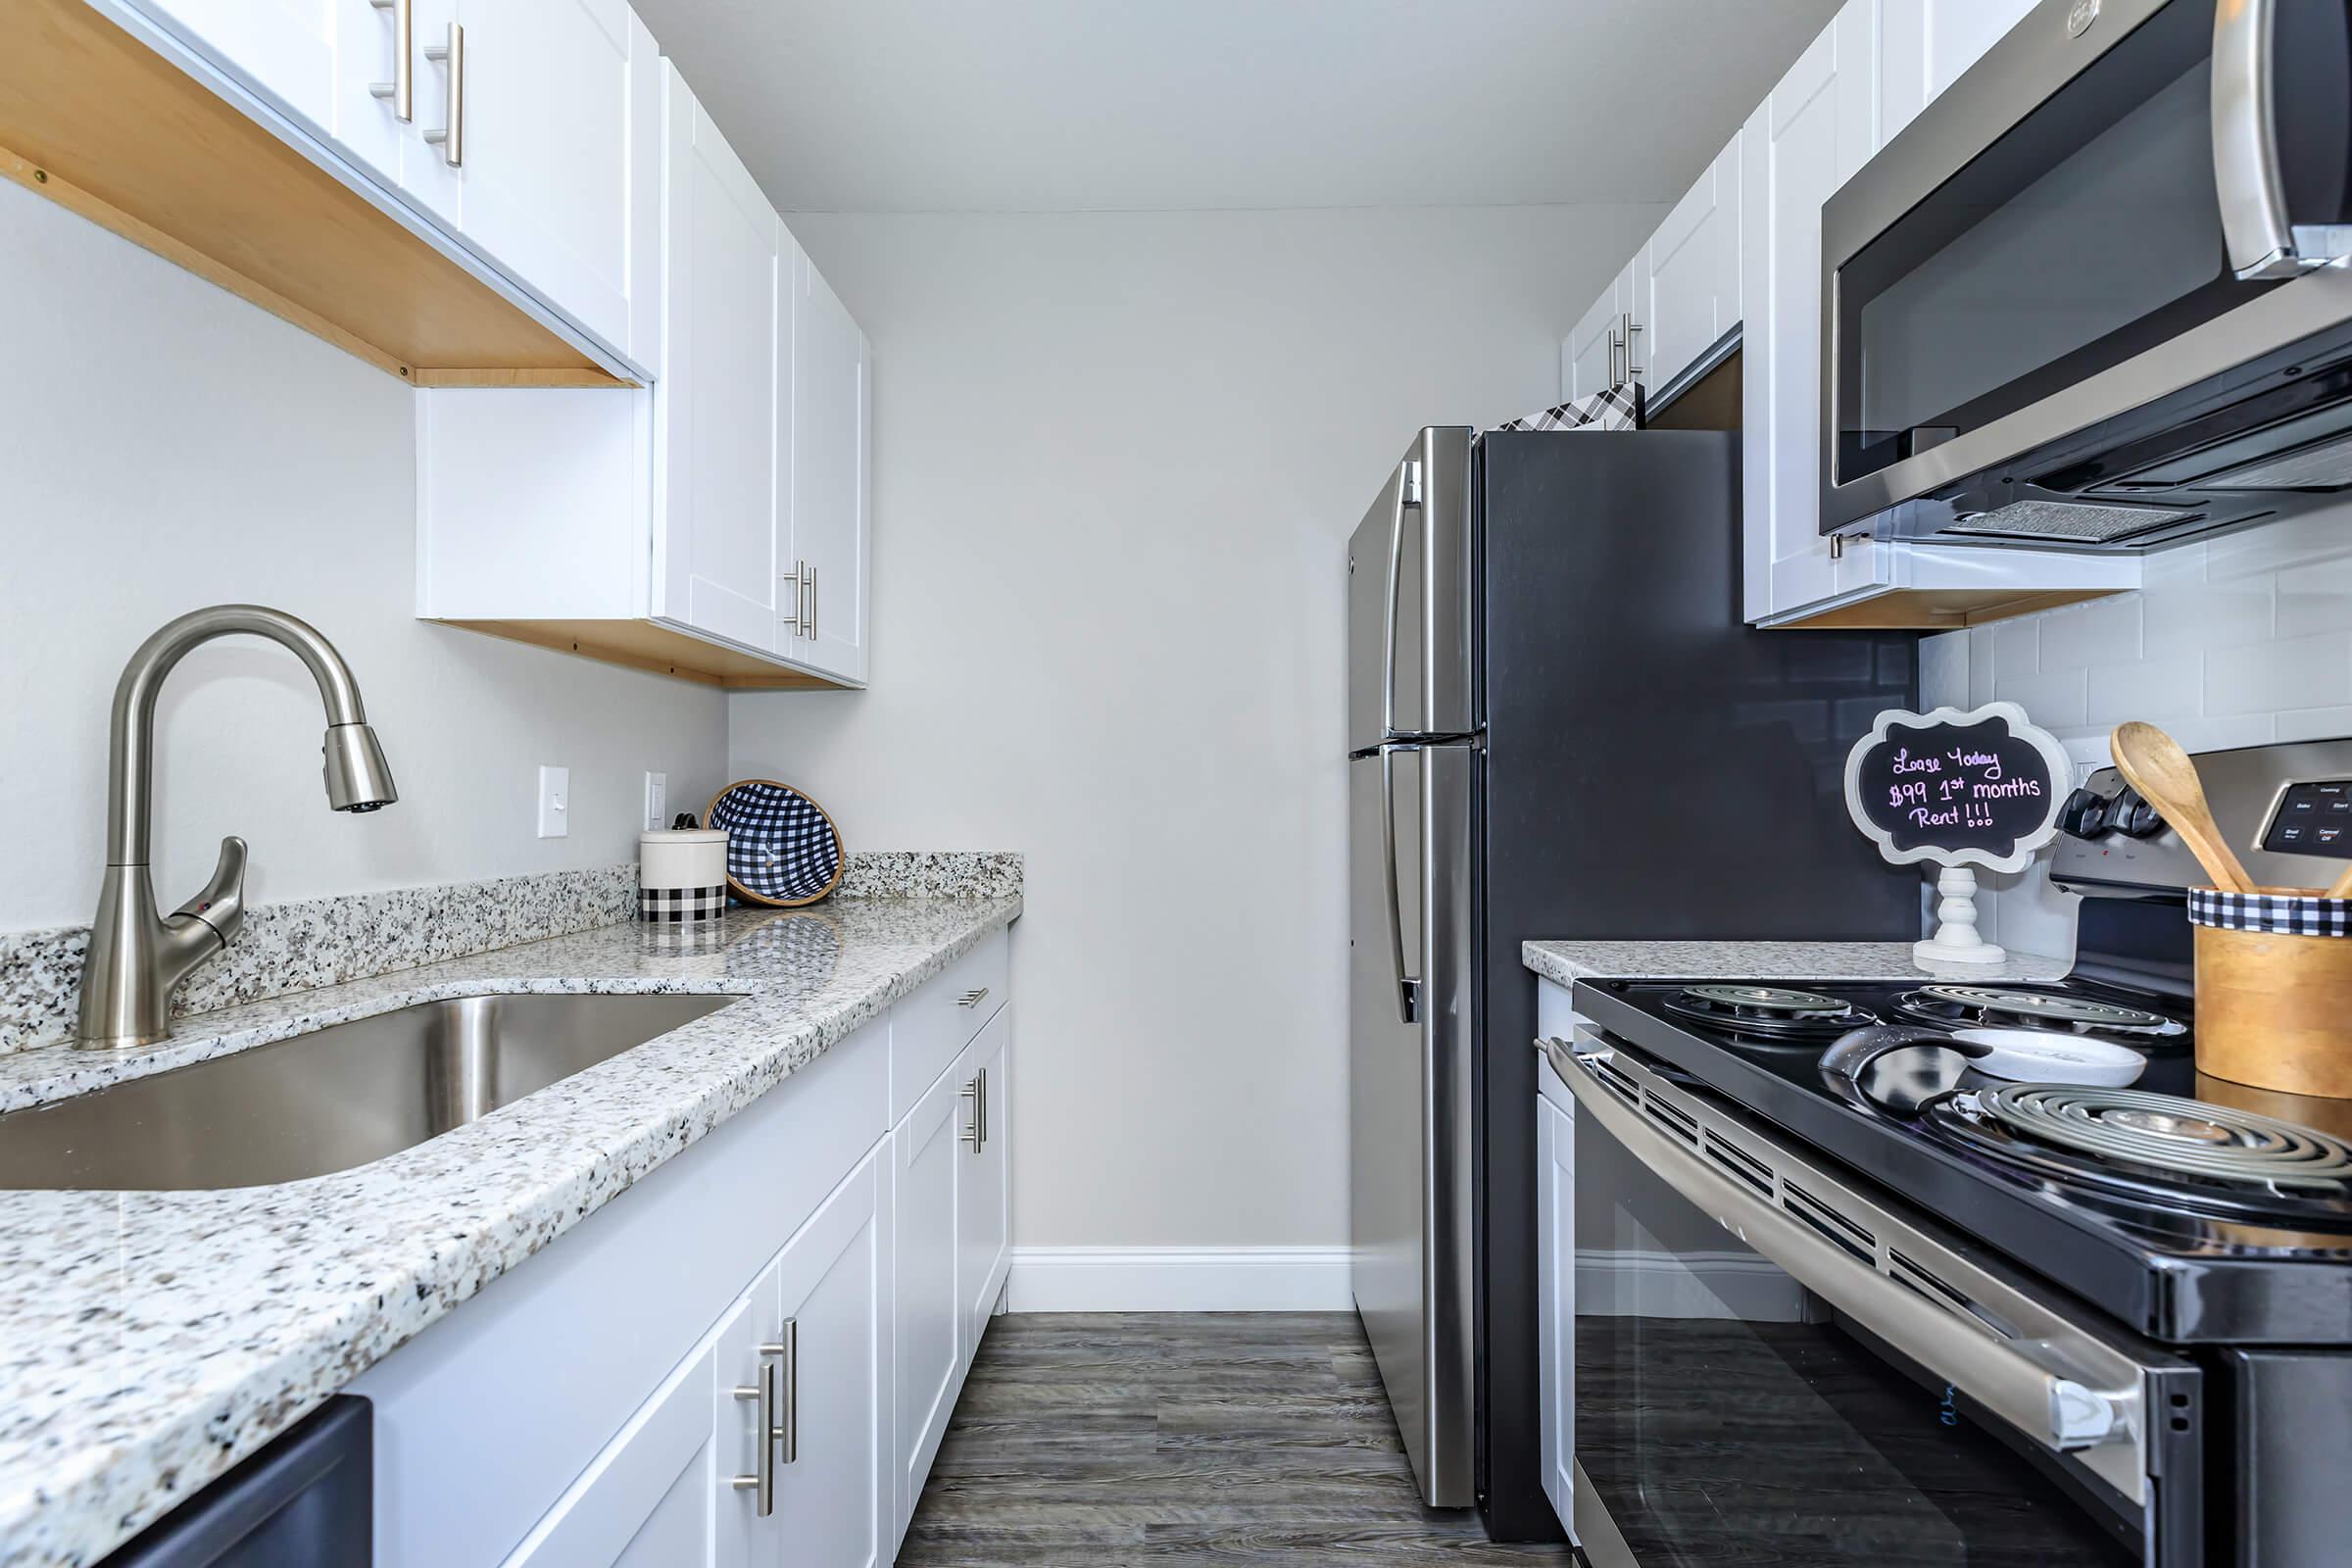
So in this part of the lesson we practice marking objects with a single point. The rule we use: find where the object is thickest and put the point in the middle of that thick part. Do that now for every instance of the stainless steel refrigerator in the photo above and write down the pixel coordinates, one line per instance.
(1557, 727)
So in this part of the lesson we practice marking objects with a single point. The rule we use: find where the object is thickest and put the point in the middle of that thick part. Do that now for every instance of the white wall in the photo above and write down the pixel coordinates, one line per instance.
(1116, 459)
(2238, 641)
(164, 446)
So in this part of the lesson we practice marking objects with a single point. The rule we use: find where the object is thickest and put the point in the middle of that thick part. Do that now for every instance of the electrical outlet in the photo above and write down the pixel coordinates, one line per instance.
(657, 802)
(554, 802)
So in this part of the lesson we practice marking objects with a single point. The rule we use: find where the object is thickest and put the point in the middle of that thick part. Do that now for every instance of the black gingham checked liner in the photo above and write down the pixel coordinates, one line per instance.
(679, 905)
(1617, 409)
(2283, 915)
(779, 844)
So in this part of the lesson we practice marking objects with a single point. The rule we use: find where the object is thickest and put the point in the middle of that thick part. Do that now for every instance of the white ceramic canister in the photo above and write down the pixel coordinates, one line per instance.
(682, 874)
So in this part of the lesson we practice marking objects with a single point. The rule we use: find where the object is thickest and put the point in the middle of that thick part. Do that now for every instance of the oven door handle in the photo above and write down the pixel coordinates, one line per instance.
(2261, 236)
(2054, 1410)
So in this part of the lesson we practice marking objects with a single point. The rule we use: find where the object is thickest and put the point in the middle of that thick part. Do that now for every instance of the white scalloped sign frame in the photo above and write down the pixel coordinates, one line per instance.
(2060, 768)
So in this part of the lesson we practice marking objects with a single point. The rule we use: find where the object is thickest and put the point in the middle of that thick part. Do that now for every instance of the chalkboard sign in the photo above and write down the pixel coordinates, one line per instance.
(1976, 788)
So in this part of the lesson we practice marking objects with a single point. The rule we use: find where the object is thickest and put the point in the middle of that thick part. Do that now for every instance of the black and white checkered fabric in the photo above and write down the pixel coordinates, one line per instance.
(2280, 913)
(679, 905)
(780, 846)
(1617, 409)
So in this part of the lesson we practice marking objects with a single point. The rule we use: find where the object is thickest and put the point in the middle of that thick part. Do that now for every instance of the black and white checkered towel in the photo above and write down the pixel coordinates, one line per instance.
(781, 847)
(1617, 409)
(2280, 913)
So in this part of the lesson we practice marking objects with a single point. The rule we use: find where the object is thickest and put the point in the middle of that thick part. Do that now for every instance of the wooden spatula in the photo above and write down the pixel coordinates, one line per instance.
(2153, 763)
(2342, 887)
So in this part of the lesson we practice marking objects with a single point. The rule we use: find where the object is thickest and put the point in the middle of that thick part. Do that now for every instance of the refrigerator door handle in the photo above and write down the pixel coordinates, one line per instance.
(1408, 989)
(1408, 494)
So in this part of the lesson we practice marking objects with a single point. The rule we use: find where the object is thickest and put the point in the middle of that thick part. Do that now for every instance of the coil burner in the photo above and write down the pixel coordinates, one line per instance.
(1768, 1014)
(2157, 1147)
(2010, 1008)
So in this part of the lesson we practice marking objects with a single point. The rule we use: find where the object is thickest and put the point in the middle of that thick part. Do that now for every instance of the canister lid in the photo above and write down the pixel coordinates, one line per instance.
(683, 835)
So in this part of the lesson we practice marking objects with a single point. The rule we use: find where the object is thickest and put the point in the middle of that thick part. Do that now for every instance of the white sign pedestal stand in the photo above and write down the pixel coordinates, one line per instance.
(1956, 940)
(1971, 770)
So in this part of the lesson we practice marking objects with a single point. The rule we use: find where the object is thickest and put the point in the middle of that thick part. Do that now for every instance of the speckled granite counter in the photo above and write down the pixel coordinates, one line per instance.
(148, 1341)
(1570, 961)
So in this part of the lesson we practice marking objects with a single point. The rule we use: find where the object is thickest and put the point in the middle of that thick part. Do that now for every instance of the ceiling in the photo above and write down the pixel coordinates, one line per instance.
(1087, 105)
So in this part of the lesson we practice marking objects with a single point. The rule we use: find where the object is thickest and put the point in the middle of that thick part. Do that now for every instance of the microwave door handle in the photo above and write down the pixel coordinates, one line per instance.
(2058, 1412)
(1407, 988)
(2261, 238)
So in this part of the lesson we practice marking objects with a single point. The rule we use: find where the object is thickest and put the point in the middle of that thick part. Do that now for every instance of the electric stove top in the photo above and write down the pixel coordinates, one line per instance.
(2063, 1124)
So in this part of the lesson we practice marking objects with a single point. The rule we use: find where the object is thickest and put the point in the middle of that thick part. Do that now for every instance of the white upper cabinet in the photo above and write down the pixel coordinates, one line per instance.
(561, 102)
(824, 621)
(1593, 359)
(721, 490)
(285, 50)
(1869, 71)
(1688, 276)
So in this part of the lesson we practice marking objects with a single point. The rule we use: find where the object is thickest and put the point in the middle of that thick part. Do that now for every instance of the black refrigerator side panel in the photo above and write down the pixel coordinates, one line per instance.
(1654, 768)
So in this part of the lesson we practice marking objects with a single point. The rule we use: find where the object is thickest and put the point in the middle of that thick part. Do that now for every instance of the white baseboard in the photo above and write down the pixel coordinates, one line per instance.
(1178, 1279)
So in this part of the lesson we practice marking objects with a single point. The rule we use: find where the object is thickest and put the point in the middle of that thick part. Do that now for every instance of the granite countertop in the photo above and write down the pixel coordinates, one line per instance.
(1570, 961)
(149, 1340)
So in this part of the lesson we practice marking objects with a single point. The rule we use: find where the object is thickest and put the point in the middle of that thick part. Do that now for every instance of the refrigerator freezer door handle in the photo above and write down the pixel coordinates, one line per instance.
(1407, 988)
(1408, 494)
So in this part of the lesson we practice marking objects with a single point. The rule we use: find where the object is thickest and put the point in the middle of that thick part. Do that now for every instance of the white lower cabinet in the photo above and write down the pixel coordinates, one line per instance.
(954, 1242)
(1556, 1289)
(748, 1361)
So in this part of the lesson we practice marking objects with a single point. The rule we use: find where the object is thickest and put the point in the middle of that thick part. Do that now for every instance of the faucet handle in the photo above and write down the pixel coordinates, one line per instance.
(222, 904)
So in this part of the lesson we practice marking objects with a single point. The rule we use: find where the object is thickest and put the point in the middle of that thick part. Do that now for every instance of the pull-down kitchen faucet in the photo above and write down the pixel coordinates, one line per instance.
(137, 957)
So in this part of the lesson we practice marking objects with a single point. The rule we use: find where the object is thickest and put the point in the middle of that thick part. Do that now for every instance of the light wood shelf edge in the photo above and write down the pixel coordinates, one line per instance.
(94, 120)
(1941, 609)
(657, 648)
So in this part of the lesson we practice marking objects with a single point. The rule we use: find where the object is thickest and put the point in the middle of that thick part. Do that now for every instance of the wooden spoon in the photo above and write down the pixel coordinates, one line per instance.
(2342, 887)
(2153, 763)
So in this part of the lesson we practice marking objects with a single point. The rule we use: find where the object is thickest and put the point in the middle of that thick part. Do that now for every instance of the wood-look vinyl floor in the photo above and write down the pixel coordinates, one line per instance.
(1246, 1439)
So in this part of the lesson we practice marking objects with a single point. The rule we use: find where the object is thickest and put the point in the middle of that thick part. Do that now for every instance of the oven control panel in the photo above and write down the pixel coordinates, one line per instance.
(2286, 809)
(2312, 816)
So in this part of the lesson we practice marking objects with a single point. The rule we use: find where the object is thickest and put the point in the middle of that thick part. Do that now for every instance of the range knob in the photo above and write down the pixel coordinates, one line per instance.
(2134, 816)
(2084, 815)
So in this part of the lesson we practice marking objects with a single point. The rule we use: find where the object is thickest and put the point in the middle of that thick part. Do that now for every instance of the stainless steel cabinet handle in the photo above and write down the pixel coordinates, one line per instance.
(972, 999)
(2058, 1412)
(788, 1348)
(969, 1093)
(762, 1395)
(450, 138)
(811, 571)
(1632, 371)
(1616, 360)
(980, 1120)
(793, 617)
(400, 89)
(2260, 235)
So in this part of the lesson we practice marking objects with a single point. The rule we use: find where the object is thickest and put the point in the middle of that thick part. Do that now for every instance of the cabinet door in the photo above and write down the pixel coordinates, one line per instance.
(282, 49)
(1809, 136)
(1555, 1305)
(1690, 291)
(929, 1148)
(829, 533)
(748, 1368)
(834, 1494)
(1927, 45)
(1589, 357)
(717, 408)
(983, 1191)
(647, 1501)
(558, 93)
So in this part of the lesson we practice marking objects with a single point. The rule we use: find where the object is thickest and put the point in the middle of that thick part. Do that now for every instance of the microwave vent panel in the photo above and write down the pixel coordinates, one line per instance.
(2068, 522)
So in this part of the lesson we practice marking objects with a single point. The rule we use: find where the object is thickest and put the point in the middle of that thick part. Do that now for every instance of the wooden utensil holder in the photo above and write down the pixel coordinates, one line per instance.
(2275, 990)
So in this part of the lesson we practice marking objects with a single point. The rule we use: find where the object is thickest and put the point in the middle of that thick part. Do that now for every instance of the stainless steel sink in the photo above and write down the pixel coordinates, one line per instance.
(330, 1100)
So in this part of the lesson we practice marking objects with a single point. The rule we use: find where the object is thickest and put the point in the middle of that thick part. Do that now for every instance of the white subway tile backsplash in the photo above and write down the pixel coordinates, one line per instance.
(2051, 698)
(2315, 724)
(2236, 642)
(2155, 690)
(2103, 631)
(2290, 672)
(2314, 597)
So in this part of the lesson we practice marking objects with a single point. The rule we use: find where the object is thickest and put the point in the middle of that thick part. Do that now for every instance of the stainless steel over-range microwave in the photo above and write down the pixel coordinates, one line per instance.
(2095, 295)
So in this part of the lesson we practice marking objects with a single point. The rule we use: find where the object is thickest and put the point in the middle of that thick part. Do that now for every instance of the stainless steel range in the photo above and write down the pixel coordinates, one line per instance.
(1961, 1271)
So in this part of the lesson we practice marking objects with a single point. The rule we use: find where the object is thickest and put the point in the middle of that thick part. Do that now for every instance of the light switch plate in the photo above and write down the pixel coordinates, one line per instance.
(554, 802)
(657, 802)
